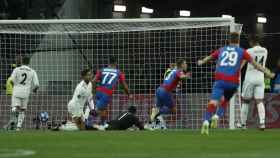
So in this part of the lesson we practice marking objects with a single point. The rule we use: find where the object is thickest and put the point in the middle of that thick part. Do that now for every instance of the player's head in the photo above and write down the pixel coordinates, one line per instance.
(182, 64)
(172, 66)
(25, 60)
(86, 75)
(132, 109)
(112, 61)
(254, 40)
(234, 38)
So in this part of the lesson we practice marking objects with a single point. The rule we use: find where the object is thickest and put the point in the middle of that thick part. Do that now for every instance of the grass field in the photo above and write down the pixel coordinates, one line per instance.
(128, 144)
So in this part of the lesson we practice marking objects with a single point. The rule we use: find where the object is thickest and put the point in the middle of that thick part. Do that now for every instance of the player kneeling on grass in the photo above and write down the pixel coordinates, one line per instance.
(253, 86)
(125, 121)
(81, 95)
(164, 99)
(105, 82)
(229, 61)
(24, 79)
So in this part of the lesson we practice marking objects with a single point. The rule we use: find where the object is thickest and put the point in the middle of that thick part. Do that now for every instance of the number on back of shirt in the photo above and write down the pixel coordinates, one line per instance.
(23, 76)
(229, 58)
(108, 77)
(169, 75)
(260, 59)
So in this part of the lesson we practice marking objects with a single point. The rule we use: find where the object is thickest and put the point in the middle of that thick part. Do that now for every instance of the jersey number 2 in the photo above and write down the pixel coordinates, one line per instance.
(229, 58)
(108, 77)
(24, 75)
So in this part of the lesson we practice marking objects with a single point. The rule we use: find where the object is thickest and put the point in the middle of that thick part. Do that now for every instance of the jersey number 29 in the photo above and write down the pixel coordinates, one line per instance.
(229, 58)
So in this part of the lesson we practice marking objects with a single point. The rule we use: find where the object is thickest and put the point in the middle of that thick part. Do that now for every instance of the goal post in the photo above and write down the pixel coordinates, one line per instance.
(60, 49)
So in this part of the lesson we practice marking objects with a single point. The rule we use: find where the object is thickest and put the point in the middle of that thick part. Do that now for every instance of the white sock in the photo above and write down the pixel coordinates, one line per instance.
(244, 113)
(162, 121)
(261, 111)
(21, 116)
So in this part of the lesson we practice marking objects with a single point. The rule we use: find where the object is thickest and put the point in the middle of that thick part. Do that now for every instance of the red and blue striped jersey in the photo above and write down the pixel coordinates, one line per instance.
(108, 79)
(172, 80)
(229, 60)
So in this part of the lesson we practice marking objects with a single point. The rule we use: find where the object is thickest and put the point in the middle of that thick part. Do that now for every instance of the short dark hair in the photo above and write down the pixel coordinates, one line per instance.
(132, 109)
(84, 72)
(180, 62)
(254, 38)
(112, 60)
(25, 60)
(234, 37)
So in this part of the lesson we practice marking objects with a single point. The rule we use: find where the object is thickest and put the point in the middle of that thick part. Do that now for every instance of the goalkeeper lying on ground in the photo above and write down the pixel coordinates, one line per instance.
(125, 121)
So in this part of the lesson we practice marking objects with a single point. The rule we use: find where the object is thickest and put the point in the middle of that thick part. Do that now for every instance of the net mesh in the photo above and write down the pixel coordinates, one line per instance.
(144, 51)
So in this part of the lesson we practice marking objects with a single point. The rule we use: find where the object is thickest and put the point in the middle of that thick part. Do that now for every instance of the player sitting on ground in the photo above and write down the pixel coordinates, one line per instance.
(81, 95)
(125, 121)
(24, 79)
(253, 86)
(229, 60)
(105, 82)
(164, 100)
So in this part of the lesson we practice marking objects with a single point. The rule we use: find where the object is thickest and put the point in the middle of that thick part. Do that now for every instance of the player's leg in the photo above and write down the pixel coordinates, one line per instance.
(15, 103)
(101, 103)
(76, 113)
(158, 105)
(247, 95)
(217, 93)
(259, 95)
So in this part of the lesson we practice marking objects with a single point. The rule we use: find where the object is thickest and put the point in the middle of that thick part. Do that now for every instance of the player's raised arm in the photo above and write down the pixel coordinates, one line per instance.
(205, 60)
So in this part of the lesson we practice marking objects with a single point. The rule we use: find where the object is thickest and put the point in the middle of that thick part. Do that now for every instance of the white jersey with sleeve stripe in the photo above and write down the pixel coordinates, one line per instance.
(24, 79)
(81, 94)
(259, 54)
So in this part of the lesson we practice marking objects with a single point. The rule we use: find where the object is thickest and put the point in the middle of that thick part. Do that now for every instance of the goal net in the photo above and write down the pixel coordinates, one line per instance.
(60, 49)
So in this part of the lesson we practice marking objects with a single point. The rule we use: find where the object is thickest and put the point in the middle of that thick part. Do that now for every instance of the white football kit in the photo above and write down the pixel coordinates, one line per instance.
(81, 95)
(24, 80)
(253, 86)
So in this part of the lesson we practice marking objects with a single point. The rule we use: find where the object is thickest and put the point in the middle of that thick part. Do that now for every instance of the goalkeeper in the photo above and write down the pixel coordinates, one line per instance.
(125, 121)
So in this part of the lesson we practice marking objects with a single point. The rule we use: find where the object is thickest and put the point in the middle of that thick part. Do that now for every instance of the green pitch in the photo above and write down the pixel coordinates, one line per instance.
(128, 144)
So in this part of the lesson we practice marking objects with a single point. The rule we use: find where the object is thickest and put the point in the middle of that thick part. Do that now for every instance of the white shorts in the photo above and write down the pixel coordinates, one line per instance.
(252, 90)
(75, 110)
(19, 102)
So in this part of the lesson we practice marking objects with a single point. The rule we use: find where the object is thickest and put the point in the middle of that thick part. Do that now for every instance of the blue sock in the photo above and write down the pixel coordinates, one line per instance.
(164, 110)
(221, 111)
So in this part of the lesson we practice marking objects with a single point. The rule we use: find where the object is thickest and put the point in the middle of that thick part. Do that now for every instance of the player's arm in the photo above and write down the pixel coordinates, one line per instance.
(205, 60)
(13, 76)
(265, 70)
(184, 75)
(124, 84)
(243, 64)
(95, 80)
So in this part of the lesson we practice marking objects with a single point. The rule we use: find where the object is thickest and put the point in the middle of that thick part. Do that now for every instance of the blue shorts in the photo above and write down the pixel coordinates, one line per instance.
(223, 88)
(102, 100)
(164, 98)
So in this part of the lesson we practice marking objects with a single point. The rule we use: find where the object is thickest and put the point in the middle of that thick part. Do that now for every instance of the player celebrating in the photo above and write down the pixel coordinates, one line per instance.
(106, 80)
(253, 87)
(24, 80)
(229, 60)
(164, 100)
(81, 95)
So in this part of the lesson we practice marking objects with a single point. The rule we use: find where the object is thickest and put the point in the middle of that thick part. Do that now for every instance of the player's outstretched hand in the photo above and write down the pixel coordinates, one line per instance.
(200, 62)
